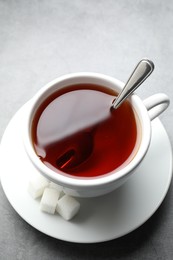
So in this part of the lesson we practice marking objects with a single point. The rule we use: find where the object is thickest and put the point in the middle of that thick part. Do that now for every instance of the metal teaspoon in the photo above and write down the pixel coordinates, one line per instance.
(143, 69)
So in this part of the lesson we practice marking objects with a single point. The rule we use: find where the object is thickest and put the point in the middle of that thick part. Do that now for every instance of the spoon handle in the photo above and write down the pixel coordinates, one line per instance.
(143, 69)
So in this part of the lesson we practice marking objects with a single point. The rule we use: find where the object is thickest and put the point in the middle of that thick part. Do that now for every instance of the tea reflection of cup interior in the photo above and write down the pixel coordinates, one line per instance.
(75, 132)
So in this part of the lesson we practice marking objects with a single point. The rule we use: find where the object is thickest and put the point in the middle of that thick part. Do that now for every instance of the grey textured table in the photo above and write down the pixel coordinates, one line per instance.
(40, 40)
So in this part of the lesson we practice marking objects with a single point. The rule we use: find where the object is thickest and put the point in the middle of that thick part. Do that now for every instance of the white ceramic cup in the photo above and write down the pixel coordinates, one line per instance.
(146, 111)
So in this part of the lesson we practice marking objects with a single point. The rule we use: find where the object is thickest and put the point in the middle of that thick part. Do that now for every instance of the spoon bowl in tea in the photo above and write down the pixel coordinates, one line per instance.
(80, 149)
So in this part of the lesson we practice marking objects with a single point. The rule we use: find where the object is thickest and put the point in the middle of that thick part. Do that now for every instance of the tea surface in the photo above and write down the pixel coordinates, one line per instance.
(76, 132)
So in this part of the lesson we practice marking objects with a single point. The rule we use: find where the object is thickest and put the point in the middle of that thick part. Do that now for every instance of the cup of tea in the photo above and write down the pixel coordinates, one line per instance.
(74, 138)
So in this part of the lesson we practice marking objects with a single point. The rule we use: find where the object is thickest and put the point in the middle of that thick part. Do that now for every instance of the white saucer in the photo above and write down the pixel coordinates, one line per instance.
(100, 219)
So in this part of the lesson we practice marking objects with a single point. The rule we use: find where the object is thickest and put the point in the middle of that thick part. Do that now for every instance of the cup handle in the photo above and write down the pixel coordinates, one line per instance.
(156, 104)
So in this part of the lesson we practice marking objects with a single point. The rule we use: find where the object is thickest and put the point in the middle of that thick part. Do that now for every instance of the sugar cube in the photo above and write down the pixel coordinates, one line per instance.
(37, 185)
(67, 207)
(49, 200)
(55, 186)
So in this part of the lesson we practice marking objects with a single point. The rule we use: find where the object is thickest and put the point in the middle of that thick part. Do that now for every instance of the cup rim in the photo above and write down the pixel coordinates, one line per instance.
(79, 182)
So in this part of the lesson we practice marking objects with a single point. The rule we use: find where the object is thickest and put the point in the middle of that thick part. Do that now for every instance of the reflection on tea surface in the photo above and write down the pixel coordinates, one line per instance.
(75, 131)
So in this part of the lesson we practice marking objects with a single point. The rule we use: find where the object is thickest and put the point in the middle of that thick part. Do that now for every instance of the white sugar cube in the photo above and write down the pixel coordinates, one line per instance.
(49, 200)
(67, 207)
(55, 186)
(37, 185)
